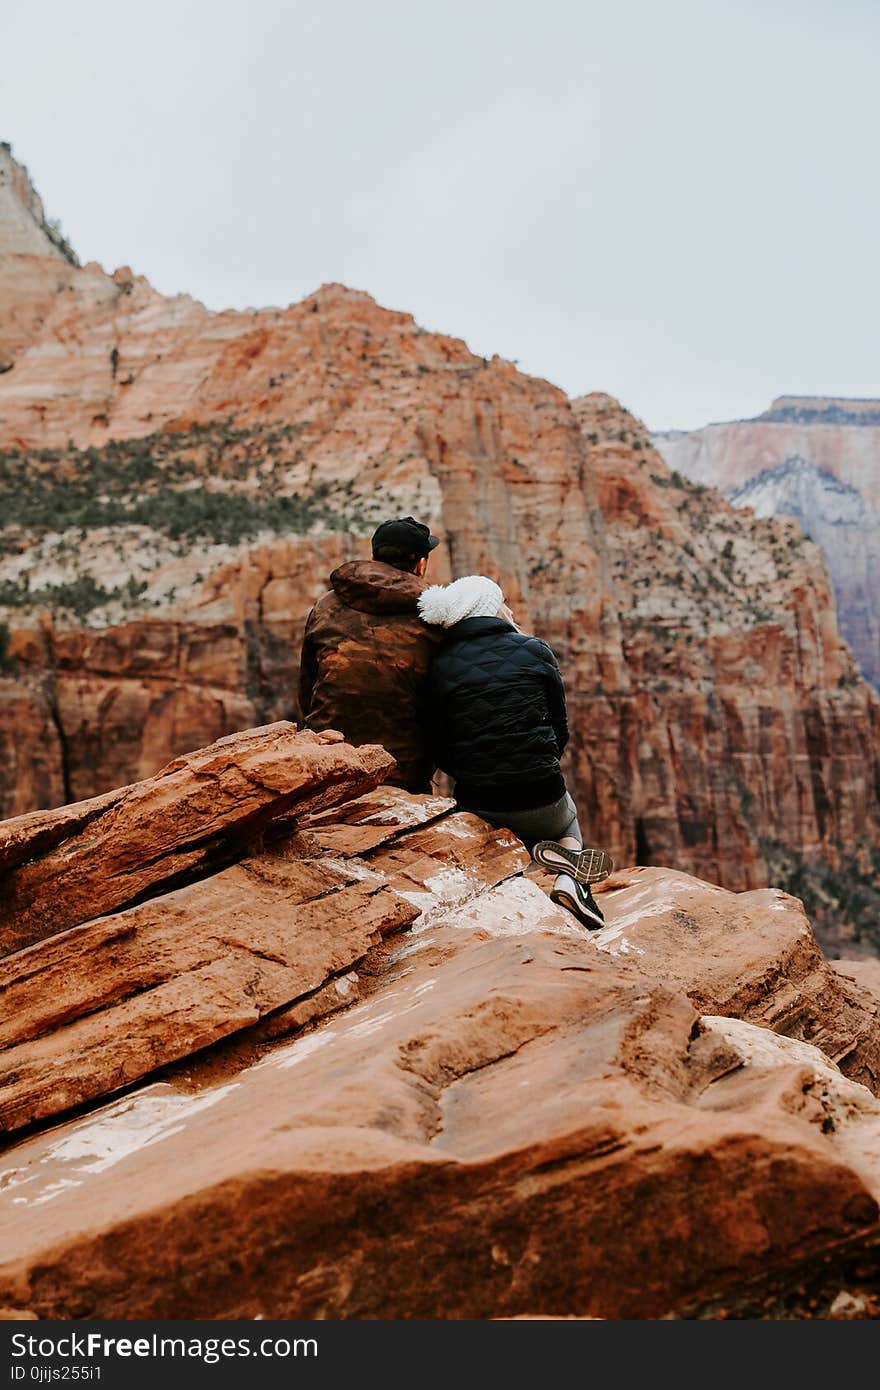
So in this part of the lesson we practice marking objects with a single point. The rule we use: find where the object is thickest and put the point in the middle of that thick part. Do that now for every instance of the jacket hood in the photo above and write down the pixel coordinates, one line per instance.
(373, 587)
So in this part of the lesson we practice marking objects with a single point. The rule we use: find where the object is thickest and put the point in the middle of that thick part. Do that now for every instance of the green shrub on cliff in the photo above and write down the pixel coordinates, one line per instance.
(212, 482)
(78, 596)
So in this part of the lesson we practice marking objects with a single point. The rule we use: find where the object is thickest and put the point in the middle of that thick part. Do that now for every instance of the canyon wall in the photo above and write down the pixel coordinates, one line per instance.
(177, 484)
(816, 459)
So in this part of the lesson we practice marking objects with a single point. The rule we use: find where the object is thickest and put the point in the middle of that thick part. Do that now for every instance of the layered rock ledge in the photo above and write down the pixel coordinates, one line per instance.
(327, 1050)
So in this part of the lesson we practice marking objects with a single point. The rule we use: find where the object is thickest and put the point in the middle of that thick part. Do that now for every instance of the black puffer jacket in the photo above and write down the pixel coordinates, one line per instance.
(498, 721)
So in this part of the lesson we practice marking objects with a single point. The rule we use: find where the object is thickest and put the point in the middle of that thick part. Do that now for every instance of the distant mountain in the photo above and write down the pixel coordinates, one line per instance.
(822, 410)
(816, 459)
(799, 489)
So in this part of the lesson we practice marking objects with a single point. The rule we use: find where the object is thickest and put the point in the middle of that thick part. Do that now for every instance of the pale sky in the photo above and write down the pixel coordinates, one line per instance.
(676, 201)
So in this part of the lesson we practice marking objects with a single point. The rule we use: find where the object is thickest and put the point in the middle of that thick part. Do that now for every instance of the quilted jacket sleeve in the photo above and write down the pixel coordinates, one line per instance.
(556, 698)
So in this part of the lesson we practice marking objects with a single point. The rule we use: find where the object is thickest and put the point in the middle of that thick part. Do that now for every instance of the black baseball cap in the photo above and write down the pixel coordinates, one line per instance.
(406, 534)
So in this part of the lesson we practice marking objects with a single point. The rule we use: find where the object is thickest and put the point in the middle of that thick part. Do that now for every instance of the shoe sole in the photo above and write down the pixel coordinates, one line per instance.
(586, 919)
(585, 865)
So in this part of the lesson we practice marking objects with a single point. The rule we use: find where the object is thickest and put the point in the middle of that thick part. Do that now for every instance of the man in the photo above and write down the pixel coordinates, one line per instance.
(366, 653)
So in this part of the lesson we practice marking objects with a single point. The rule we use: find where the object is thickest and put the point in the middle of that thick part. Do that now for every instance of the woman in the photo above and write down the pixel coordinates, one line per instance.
(499, 726)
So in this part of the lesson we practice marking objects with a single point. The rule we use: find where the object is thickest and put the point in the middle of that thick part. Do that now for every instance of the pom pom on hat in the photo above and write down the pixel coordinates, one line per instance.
(474, 596)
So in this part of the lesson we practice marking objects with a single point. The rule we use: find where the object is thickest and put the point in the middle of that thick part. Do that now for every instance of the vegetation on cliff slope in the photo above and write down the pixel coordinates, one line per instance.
(214, 485)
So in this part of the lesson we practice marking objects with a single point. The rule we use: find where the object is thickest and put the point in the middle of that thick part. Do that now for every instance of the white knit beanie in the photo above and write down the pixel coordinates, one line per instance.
(474, 596)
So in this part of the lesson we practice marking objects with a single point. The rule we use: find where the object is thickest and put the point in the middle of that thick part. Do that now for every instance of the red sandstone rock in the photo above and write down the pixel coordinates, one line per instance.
(27, 837)
(372, 820)
(748, 724)
(864, 973)
(119, 847)
(514, 1118)
(447, 863)
(494, 1115)
(30, 756)
(751, 955)
(508, 1125)
(718, 722)
(94, 1008)
(97, 1007)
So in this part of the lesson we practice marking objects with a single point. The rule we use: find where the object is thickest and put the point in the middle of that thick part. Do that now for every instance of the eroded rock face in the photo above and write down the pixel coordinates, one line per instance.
(379, 1168)
(391, 1079)
(814, 459)
(36, 264)
(271, 938)
(864, 973)
(96, 856)
(749, 723)
(157, 571)
(752, 956)
(174, 975)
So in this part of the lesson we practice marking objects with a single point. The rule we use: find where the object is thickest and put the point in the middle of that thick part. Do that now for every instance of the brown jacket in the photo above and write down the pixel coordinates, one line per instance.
(365, 663)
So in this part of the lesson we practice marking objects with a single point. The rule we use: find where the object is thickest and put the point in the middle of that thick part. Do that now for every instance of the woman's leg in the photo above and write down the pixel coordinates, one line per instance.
(538, 823)
(563, 850)
(571, 837)
(553, 825)
(575, 866)
(571, 889)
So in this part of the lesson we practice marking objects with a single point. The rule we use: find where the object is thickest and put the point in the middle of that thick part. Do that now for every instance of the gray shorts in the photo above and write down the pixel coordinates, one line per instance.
(558, 821)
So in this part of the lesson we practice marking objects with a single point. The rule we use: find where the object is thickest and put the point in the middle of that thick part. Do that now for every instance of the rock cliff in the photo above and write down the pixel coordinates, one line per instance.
(176, 485)
(744, 691)
(815, 459)
(36, 263)
(261, 1056)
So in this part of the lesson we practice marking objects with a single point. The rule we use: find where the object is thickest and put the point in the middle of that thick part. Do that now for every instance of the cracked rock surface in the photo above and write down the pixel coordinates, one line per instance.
(366, 1068)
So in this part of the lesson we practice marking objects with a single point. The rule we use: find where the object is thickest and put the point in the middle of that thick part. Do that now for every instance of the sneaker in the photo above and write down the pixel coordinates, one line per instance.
(585, 865)
(578, 899)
